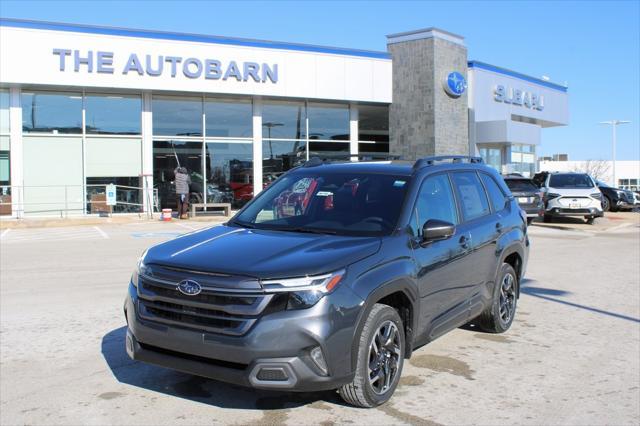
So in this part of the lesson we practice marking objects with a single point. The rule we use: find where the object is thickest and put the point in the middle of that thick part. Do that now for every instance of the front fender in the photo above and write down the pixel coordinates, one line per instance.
(380, 281)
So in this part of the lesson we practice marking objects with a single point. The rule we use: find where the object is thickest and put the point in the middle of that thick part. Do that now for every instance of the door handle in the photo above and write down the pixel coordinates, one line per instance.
(464, 242)
(499, 227)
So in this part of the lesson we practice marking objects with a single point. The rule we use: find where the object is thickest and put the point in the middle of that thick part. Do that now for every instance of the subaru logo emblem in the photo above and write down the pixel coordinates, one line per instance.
(455, 84)
(189, 287)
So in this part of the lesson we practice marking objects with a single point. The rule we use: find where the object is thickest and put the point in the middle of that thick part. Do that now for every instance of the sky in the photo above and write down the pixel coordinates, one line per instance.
(593, 47)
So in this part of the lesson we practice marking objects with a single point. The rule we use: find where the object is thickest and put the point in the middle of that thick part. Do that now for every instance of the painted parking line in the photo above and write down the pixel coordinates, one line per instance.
(4, 233)
(101, 232)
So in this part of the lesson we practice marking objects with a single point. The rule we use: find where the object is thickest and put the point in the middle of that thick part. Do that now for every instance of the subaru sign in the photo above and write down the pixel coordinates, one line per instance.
(455, 84)
(519, 97)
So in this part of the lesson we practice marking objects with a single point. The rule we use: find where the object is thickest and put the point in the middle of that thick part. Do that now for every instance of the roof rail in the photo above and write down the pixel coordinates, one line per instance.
(337, 158)
(430, 161)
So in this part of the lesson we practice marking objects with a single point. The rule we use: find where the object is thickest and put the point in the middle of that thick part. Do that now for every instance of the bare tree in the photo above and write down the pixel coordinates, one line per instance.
(597, 169)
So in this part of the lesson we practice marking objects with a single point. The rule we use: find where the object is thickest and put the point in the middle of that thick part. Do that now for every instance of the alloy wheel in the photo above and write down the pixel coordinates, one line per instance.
(507, 298)
(384, 357)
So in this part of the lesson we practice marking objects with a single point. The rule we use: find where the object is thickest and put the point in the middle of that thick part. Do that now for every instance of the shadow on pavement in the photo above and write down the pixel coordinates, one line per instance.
(546, 293)
(206, 391)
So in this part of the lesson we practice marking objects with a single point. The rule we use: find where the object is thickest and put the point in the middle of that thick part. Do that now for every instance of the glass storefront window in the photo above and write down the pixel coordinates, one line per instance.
(5, 181)
(329, 149)
(128, 195)
(164, 164)
(4, 112)
(228, 118)
(177, 116)
(113, 114)
(52, 112)
(229, 172)
(373, 129)
(280, 156)
(328, 121)
(283, 120)
(492, 157)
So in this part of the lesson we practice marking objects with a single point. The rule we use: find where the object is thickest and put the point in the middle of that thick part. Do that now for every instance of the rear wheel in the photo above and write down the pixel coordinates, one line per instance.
(529, 220)
(380, 359)
(547, 218)
(590, 220)
(498, 317)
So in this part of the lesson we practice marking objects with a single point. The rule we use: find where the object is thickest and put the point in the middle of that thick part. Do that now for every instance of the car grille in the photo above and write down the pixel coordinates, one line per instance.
(220, 307)
(574, 211)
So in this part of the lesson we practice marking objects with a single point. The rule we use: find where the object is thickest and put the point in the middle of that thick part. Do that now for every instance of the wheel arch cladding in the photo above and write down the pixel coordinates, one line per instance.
(399, 296)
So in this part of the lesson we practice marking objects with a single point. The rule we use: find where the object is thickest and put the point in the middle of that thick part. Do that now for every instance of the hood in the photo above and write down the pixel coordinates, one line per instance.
(260, 253)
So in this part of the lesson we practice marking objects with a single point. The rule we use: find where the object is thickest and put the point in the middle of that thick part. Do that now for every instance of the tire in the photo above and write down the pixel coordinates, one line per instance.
(590, 220)
(547, 218)
(493, 319)
(606, 203)
(529, 220)
(361, 392)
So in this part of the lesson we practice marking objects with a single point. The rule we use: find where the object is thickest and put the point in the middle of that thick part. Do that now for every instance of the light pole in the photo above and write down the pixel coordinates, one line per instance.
(613, 124)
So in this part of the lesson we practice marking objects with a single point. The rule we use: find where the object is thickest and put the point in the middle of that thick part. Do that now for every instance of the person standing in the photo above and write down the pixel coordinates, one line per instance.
(183, 180)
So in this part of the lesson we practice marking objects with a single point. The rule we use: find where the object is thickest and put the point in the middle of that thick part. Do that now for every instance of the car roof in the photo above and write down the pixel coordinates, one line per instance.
(515, 177)
(395, 167)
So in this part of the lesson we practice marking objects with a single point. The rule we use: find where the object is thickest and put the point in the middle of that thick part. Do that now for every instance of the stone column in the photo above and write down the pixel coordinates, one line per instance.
(424, 119)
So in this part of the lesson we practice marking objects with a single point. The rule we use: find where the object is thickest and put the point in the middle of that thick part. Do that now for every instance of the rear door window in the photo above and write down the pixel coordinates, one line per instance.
(471, 196)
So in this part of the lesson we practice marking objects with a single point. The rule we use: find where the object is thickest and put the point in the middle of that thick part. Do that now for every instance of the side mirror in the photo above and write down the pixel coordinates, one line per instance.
(435, 229)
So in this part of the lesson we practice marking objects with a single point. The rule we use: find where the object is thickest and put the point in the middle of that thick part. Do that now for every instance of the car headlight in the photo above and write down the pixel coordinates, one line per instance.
(551, 195)
(621, 194)
(304, 292)
(596, 195)
(141, 269)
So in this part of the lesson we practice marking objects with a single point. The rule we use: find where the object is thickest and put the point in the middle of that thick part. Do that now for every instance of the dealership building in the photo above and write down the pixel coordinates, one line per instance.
(83, 107)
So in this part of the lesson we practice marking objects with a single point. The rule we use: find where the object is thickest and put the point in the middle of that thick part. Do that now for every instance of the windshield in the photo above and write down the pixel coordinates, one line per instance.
(331, 203)
(570, 181)
(521, 185)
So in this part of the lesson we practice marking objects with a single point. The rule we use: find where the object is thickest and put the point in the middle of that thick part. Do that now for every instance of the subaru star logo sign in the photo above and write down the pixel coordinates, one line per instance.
(455, 84)
(189, 287)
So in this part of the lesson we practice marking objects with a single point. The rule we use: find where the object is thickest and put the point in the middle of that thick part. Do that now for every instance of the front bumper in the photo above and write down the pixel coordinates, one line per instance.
(274, 354)
(563, 211)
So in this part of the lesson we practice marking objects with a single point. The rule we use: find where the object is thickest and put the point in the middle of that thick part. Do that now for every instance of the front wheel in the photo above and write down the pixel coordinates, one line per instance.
(589, 220)
(380, 359)
(498, 317)
(606, 203)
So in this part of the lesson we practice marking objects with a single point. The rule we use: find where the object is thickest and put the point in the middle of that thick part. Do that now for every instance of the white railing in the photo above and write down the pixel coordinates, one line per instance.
(75, 200)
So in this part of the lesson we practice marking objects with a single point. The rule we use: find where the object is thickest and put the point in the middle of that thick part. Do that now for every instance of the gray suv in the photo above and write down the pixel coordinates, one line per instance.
(332, 276)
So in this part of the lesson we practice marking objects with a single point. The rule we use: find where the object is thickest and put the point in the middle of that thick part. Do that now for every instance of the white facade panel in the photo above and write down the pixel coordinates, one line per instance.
(27, 57)
(486, 107)
(113, 157)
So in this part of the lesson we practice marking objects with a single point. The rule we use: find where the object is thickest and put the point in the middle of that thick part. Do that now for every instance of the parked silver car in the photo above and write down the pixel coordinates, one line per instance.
(571, 194)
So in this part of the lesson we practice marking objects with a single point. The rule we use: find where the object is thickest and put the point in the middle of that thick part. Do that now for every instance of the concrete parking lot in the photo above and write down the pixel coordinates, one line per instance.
(572, 356)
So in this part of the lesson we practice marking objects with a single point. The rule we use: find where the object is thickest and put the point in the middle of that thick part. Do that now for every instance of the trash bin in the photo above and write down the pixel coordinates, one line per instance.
(166, 215)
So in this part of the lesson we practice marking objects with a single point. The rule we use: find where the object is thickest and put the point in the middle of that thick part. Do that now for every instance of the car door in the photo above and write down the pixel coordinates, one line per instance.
(440, 265)
(482, 224)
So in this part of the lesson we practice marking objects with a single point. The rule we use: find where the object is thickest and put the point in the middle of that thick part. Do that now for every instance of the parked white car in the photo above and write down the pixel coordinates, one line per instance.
(571, 194)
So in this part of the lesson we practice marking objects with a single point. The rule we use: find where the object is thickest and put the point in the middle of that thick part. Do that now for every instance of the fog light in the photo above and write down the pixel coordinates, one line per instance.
(318, 359)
